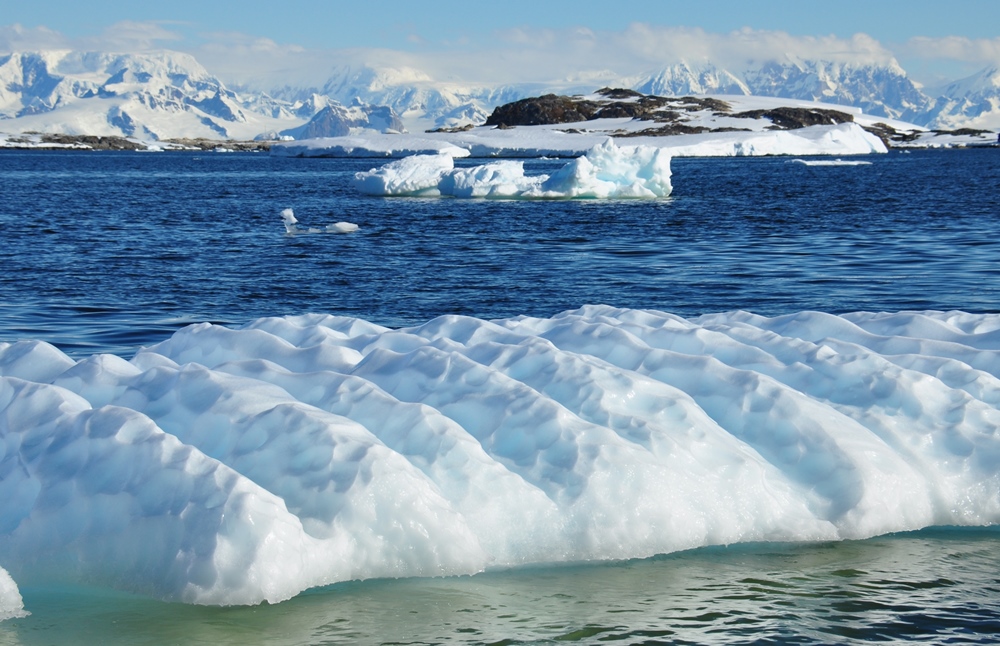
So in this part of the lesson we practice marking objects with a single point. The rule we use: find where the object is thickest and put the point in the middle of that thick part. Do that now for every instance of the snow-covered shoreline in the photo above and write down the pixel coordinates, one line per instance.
(536, 141)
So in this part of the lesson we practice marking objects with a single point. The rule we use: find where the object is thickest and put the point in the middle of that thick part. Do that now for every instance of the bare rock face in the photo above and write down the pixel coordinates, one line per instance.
(616, 103)
(542, 110)
(793, 118)
(93, 142)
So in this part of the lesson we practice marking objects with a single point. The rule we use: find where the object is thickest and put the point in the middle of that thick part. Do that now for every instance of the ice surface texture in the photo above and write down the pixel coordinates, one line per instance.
(605, 171)
(228, 466)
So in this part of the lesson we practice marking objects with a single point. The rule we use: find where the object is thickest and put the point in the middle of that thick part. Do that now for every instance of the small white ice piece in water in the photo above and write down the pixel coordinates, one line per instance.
(288, 217)
(11, 605)
(832, 162)
(292, 228)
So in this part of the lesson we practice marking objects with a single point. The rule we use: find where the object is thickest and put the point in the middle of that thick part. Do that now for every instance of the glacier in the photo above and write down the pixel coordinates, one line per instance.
(604, 171)
(236, 466)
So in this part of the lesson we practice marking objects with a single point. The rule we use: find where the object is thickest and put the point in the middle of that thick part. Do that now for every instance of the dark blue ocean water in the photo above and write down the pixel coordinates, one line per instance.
(106, 251)
(109, 251)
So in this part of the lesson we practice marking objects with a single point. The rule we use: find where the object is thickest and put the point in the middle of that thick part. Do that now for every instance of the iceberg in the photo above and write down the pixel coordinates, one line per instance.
(605, 171)
(11, 604)
(236, 466)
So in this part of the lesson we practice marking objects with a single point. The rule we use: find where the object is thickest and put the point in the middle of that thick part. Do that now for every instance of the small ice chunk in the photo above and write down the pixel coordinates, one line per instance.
(292, 228)
(11, 604)
(341, 227)
(288, 217)
(415, 175)
(831, 162)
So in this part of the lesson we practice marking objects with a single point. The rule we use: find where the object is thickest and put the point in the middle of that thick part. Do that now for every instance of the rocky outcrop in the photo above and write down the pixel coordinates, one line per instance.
(543, 110)
(617, 103)
(786, 118)
(92, 143)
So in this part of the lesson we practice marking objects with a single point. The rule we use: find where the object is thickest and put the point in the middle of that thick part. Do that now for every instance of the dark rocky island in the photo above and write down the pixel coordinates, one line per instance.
(671, 115)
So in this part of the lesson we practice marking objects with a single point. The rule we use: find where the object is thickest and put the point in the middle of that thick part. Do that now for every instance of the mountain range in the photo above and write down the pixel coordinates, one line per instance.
(166, 95)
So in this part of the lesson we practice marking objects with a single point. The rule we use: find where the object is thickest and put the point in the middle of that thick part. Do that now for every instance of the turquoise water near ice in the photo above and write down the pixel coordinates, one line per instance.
(934, 586)
(108, 252)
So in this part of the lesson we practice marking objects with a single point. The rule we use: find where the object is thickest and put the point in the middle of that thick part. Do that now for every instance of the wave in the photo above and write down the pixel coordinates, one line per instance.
(234, 466)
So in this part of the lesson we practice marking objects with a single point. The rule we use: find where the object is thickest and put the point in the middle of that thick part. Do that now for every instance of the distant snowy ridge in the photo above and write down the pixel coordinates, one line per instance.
(972, 102)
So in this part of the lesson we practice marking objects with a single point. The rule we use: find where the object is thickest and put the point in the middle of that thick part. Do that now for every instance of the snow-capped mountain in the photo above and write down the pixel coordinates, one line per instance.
(686, 79)
(972, 102)
(170, 95)
(882, 90)
(878, 90)
(336, 120)
(421, 102)
(149, 96)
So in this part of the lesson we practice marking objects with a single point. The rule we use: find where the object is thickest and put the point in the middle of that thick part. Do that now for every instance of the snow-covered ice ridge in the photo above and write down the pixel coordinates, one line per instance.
(232, 466)
(547, 141)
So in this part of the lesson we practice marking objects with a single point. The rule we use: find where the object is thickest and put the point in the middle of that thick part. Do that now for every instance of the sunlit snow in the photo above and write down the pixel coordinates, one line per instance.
(232, 466)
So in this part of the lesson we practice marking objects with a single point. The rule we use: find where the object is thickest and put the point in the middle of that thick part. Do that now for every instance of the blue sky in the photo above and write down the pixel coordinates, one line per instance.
(515, 36)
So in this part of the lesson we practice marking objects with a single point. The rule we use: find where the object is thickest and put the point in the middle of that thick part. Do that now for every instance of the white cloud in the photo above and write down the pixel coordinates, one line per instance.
(517, 55)
(130, 36)
(546, 55)
(125, 36)
(15, 38)
(979, 51)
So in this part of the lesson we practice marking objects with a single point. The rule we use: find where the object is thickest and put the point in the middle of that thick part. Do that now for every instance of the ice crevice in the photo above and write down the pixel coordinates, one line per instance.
(233, 466)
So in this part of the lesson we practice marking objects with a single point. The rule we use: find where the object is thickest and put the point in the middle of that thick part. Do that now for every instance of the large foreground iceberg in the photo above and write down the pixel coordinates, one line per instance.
(228, 466)
(605, 171)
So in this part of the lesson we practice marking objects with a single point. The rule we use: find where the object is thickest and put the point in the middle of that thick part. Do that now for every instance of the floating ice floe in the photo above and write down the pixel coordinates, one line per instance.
(831, 162)
(605, 171)
(292, 225)
(233, 466)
